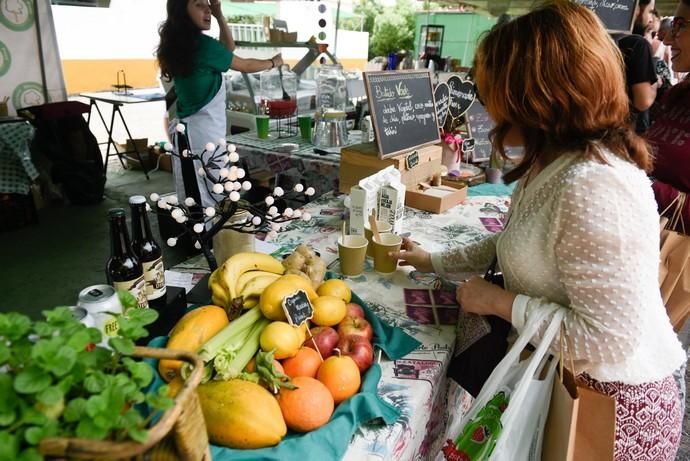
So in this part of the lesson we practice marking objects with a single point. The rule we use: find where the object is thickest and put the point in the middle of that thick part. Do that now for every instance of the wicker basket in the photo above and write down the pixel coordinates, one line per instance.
(179, 435)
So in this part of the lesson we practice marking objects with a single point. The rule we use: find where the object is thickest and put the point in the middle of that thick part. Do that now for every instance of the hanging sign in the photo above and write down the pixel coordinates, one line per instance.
(462, 95)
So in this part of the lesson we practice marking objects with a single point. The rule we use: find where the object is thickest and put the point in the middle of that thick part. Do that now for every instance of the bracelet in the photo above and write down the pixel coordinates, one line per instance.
(273, 64)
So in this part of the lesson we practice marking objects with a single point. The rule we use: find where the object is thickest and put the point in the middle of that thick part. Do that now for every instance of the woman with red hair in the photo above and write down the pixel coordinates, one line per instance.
(583, 233)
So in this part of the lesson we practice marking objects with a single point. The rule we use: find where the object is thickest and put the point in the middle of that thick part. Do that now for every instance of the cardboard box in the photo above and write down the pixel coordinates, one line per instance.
(359, 210)
(361, 160)
(434, 200)
(391, 206)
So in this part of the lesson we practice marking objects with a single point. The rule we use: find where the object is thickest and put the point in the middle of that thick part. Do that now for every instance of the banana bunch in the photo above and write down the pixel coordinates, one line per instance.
(242, 279)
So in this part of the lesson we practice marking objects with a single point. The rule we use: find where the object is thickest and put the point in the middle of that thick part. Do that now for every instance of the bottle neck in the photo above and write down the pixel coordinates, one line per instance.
(119, 237)
(141, 229)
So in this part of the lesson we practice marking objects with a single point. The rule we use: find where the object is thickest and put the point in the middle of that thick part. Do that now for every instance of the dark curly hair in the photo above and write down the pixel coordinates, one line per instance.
(177, 50)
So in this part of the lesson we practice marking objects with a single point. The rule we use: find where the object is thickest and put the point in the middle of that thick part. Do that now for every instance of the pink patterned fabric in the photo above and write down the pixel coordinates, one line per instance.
(648, 418)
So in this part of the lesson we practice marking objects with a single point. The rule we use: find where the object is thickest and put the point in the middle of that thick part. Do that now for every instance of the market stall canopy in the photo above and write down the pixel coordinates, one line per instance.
(518, 7)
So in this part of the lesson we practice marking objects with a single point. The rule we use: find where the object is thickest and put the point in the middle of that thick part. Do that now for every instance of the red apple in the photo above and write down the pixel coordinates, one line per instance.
(359, 349)
(326, 339)
(355, 326)
(355, 310)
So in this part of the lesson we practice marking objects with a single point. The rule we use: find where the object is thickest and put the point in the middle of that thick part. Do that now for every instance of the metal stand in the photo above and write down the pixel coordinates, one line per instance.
(109, 130)
(286, 125)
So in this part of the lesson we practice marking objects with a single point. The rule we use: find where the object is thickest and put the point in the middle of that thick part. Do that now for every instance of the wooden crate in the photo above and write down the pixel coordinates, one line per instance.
(361, 160)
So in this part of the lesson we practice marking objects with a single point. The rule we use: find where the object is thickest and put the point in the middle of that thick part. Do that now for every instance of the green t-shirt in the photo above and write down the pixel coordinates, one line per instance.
(197, 89)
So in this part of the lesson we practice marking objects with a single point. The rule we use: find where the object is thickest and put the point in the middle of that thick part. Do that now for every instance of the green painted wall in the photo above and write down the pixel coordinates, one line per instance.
(461, 33)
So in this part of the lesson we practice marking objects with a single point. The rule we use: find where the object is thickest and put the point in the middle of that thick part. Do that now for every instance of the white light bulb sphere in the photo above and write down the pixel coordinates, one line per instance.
(234, 156)
(246, 185)
(154, 197)
(256, 220)
(198, 228)
(288, 212)
(232, 175)
(241, 173)
(201, 171)
(181, 219)
(162, 204)
(180, 128)
(234, 196)
(210, 147)
(176, 213)
(172, 241)
(273, 211)
(278, 191)
(172, 200)
(185, 153)
(223, 172)
(309, 192)
(238, 185)
(297, 214)
(210, 212)
(269, 200)
(232, 148)
(222, 142)
(229, 186)
(168, 147)
(306, 216)
(189, 201)
(148, 207)
(197, 245)
(298, 187)
(217, 188)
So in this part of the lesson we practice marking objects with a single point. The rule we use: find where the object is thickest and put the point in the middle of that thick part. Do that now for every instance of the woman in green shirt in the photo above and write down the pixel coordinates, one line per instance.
(195, 63)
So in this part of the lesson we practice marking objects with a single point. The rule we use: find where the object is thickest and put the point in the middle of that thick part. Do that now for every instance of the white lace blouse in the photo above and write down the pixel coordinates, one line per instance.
(585, 236)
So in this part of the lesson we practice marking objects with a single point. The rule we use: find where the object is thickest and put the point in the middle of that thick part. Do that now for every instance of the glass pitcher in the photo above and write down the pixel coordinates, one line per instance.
(331, 88)
(272, 96)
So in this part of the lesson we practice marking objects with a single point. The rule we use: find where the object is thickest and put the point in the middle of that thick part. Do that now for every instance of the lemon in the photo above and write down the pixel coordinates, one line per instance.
(337, 288)
(281, 337)
(328, 311)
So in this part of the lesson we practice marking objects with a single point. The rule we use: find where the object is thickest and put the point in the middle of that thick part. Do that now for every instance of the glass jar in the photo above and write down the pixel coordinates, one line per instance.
(331, 88)
(272, 92)
(228, 242)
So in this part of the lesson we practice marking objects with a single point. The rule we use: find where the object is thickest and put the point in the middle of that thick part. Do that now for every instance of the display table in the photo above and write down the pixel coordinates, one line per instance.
(17, 172)
(417, 384)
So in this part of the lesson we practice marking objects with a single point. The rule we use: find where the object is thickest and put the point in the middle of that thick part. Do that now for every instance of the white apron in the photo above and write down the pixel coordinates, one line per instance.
(206, 125)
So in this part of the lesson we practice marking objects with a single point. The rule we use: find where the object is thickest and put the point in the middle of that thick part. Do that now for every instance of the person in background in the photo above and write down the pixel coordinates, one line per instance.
(669, 135)
(640, 74)
(583, 232)
(663, 51)
(195, 63)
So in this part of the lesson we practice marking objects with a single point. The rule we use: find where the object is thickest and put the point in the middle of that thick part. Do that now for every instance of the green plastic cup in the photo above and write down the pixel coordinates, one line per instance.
(262, 126)
(304, 122)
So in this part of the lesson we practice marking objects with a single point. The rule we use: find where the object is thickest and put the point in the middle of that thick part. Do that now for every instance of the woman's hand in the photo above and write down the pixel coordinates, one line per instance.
(216, 10)
(411, 254)
(277, 60)
(478, 296)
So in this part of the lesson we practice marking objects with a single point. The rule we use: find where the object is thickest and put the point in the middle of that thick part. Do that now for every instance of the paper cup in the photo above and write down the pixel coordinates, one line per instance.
(383, 227)
(262, 126)
(383, 263)
(352, 252)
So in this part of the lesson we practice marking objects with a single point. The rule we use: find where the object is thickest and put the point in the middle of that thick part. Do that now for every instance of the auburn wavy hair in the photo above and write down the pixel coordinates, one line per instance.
(177, 49)
(557, 76)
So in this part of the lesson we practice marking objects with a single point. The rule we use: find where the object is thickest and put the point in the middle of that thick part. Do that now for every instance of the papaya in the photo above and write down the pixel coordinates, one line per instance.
(190, 333)
(241, 414)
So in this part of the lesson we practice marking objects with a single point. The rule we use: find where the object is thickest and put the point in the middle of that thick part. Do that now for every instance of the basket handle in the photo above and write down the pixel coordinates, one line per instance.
(106, 449)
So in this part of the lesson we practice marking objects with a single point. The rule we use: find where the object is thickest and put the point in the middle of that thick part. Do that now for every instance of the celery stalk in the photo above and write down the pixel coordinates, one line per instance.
(233, 368)
(237, 329)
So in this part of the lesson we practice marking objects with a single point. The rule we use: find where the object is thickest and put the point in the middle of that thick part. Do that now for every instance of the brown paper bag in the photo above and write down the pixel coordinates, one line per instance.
(674, 264)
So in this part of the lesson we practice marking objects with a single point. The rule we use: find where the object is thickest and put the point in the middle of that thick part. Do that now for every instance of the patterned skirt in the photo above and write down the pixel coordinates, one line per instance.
(648, 418)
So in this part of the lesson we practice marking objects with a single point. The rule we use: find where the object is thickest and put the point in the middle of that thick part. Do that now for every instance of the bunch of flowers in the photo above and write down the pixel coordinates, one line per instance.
(225, 182)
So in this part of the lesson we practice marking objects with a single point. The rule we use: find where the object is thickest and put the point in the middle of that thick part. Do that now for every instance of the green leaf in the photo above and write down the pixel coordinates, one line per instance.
(95, 405)
(7, 418)
(87, 429)
(131, 418)
(141, 372)
(127, 300)
(30, 454)
(4, 353)
(59, 316)
(74, 410)
(97, 359)
(138, 435)
(97, 382)
(63, 361)
(131, 329)
(45, 329)
(31, 380)
(45, 350)
(105, 422)
(159, 402)
(7, 402)
(50, 395)
(30, 415)
(14, 326)
(143, 316)
(95, 335)
(33, 435)
(9, 446)
(121, 345)
(79, 340)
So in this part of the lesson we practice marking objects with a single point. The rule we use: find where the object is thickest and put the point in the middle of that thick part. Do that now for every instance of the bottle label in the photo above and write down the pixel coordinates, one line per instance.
(138, 289)
(154, 274)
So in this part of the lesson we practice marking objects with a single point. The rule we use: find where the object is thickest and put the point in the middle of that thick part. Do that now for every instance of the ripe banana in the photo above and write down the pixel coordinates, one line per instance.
(244, 262)
(244, 279)
(257, 285)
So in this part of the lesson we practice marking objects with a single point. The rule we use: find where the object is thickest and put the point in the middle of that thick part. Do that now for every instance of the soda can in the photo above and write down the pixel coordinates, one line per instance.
(83, 316)
(102, 304)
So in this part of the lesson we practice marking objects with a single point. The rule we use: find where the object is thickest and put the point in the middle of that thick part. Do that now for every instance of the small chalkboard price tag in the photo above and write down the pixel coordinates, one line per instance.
(468, 145)
(412, 160)
(298, 308)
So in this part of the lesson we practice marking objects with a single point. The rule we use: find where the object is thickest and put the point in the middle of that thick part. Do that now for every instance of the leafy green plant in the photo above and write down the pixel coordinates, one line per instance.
(57, 381)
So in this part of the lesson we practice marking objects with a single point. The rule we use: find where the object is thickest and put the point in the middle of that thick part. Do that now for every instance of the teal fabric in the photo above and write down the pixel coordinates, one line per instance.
(491, 189)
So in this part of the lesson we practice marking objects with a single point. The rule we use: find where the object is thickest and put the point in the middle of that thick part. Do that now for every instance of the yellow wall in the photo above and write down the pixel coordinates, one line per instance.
(101, 75)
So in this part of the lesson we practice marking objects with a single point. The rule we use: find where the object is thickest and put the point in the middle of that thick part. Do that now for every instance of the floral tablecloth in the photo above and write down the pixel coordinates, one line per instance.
(417, 384)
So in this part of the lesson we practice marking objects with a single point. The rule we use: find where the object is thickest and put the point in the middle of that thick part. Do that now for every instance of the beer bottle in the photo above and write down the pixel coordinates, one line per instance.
(123, 270)
(147, 250)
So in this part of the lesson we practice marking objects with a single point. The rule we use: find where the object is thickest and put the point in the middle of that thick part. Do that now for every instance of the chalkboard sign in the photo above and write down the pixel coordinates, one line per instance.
(402, 109)
(462, 95)
(298, 308)
(442, 101)
(617, 15)
(479, 124)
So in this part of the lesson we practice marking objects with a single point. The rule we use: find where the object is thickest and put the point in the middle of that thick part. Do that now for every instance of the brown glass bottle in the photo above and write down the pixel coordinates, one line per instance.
(123, 270)
(147, 249)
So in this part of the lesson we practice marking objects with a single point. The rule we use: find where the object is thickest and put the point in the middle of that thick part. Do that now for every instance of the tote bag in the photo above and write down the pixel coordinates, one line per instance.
(674, 265)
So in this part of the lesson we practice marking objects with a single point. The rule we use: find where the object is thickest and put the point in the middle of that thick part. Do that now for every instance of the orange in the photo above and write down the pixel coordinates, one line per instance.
(305, 363)
(337, 288)
(341, 376)
(328, 311)
(308, 407)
